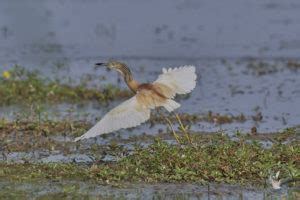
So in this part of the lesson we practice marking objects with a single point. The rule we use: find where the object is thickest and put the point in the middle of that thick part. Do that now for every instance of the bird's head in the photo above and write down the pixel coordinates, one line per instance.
(114, 65)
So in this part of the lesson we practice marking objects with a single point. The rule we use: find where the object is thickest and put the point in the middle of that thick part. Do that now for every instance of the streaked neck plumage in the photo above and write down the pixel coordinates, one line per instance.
(126, 73)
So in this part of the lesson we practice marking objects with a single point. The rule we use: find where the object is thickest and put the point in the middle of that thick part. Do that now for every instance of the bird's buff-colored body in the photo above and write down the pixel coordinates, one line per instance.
(136, 110)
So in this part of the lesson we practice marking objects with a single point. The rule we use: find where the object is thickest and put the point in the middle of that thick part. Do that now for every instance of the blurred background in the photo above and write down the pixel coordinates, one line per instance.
(243, 50)
(32, 30)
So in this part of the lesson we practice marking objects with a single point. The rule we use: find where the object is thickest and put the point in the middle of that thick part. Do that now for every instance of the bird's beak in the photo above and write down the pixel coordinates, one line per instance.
(97, 65)
(100, 64)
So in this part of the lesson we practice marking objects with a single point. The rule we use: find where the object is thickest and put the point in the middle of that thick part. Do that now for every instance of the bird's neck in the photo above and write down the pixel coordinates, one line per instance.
(131, 83)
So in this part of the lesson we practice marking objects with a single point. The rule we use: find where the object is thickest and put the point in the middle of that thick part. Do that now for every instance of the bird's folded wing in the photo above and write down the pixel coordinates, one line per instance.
(180, 80)
(128, 114)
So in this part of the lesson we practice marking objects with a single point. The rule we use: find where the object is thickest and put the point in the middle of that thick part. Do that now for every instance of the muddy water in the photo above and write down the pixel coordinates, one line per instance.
(218, 38)
(80, 190)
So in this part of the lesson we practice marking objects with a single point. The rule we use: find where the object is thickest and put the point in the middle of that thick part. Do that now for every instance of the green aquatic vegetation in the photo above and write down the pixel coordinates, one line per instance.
(209, 117)
(263, 67)
(220, 160)
(45, 127)
(21, 86)
(288, 135)
(24, 136)
(293, 65)
(200, 157)
(29, 132)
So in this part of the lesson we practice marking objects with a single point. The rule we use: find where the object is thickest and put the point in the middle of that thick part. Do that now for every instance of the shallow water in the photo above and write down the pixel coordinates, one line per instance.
(43, 30)
(79, 190)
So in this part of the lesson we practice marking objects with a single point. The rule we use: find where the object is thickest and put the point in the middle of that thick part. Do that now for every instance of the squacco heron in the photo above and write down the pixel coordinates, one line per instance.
(148, 96)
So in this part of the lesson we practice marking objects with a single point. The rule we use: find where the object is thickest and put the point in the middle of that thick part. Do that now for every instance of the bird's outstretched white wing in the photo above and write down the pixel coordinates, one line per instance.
(180, 80)
(136, 110)
(128, 114)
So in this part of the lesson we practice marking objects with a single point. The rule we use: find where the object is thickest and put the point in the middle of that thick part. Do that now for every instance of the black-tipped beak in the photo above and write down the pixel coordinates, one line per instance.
(100, 64)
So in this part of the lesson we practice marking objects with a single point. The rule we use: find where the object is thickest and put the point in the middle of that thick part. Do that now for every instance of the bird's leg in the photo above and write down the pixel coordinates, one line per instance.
(170, 125)
(183, 128)
(173, 131)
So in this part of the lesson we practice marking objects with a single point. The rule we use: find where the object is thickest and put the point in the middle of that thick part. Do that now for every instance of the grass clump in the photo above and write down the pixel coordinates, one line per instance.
(220, 160)
(18, 86)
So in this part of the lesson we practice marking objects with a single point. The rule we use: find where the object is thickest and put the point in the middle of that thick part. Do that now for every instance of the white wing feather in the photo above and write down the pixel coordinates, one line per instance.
(181, 80)
(171, 105)
(131, 113)
(128, 114)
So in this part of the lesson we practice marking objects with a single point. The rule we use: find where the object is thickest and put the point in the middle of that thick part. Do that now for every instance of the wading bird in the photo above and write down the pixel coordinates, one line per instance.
(148, 96)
